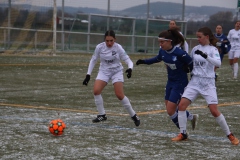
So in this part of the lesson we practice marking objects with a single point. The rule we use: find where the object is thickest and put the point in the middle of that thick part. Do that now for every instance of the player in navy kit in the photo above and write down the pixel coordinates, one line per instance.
(223, 45)
(110, 55)
(178, 64)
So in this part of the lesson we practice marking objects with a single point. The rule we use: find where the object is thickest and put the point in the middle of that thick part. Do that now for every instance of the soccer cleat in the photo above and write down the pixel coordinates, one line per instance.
(180, 137)
(136, 120)
(99, 118)
(233, 139)
(194, 121)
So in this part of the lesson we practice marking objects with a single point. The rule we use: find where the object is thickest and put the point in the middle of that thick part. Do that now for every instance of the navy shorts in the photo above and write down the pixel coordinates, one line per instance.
(174, 93)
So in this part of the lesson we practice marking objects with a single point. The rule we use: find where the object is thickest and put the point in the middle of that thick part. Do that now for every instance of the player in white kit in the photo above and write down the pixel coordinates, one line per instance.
(205, 57)
(110, 54)
(173, 25)
(234, 53)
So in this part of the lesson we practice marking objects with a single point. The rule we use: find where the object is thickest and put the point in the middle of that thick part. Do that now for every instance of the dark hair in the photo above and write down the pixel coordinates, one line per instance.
(237, 21)
(207, 32)
(220, 26)
(174, 35)
(109, 33)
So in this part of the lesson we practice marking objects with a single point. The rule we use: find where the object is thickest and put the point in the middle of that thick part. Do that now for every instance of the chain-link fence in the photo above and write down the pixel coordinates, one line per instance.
(28, 25)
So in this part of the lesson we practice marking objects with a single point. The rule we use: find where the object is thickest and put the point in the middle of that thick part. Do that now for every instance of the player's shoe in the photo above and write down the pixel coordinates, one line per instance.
(136, 120)
(194, 121)
(233, 139)
(99, 118)
(180, 137)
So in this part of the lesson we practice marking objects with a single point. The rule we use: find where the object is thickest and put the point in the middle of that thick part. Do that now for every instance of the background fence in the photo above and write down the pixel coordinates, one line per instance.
(30, 26)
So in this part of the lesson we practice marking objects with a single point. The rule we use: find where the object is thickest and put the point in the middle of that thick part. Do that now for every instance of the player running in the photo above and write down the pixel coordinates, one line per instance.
(205, 57)
(234, 54)
(178, 64)
(110, 54)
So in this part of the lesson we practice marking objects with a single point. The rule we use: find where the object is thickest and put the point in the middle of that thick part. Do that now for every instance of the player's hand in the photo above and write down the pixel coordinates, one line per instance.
(129, 72)
(140, 61)
(204, 55)
(186, 68)
(86, 80)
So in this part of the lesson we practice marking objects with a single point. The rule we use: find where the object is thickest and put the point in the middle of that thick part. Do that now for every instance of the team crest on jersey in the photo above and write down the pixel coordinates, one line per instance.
(174, 58)
(113, 53)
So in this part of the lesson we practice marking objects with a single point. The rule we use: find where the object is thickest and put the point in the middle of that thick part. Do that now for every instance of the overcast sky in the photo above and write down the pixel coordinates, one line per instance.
(122, 4)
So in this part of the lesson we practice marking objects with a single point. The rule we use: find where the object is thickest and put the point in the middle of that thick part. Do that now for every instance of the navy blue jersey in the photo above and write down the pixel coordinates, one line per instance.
(174, 59)
(177, 77)
(223, 44)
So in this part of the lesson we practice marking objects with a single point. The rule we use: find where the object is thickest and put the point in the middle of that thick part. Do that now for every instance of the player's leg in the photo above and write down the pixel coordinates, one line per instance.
(188, 96)
(210, 96)
(172, 98)
(99, 84)
(230, 58)
(235, 64)
(222, 123)
(117, 81)
(171, 110)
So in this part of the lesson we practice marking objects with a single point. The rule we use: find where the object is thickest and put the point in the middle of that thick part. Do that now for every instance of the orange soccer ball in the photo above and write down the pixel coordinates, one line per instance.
(56, 127)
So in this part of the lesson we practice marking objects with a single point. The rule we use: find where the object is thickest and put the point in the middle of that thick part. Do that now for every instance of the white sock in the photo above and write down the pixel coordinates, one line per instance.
(127, 105)
(190, 117)
(99, 103)
(182, 120)
(223, 124)
(235, 70)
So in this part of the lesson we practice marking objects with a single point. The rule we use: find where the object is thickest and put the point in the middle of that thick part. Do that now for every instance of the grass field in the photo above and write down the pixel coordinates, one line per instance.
(36, 89)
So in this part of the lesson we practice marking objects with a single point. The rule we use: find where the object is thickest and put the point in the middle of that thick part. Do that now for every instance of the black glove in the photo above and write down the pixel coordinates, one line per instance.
(129, 72)
(86, 80)
(140, 61)
(186, 68)
(201, 54)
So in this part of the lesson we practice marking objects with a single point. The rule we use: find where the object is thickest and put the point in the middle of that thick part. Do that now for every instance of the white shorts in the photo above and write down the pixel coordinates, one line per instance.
(233, 54)
(207, 91)
(113, 76)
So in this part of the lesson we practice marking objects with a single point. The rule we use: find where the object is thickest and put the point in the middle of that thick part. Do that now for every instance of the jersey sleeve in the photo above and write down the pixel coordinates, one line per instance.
(229, 35)
(93, 60)
(186, 47)
(155, 59)
(125, 57)
(214, 57)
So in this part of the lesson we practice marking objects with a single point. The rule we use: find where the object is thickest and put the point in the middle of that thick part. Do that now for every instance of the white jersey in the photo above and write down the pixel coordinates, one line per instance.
(110, 58)
(205, 67)
(185, 45)
(234, 38)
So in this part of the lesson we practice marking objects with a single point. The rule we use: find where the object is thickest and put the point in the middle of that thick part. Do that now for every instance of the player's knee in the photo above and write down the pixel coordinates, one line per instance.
(96, 92)
(120, 96)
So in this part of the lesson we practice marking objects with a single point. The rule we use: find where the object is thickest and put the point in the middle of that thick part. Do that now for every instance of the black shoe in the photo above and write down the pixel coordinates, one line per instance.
(136, 120)
(99, 118)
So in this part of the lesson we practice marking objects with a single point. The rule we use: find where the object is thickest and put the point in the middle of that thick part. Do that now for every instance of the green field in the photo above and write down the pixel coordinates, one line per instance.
(36, 89)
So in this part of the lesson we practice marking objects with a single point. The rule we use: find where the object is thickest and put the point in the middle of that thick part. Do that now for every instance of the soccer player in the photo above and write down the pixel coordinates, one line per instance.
(110, 54)
(184, 46)
(178, 63)
(205, 57)
(234, 53)
(223, 44)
